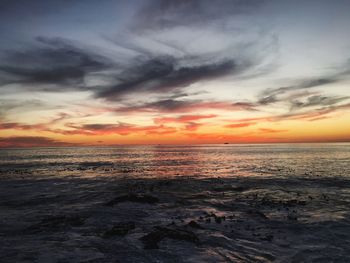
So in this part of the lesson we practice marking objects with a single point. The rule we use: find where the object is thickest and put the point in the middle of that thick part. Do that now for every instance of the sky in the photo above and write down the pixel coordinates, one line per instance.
(173, 72)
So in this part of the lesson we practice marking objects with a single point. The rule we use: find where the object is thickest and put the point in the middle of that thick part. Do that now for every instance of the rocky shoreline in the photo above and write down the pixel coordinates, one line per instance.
(174, 220)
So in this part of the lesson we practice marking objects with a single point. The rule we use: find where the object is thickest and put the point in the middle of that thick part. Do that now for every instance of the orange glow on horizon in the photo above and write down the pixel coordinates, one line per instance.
(177, 130)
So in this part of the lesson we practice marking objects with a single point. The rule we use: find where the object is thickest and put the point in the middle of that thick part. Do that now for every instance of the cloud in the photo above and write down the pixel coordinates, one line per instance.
(301, 100)
(37, 7)
(31, 141)
(61, 116)
(326, 106)
(268, 130)
(168, 57)
(120, 128)
(156, 64)
(56, 64)
(181, 106)
(183, 118)
(317, 100)
(165, 14)
(310, 115)
(189, 121)
(239, 125)
(53, 61)
(105, 129)
(41, 127)
(165, 74)
(269, 96)
(228, 138)
(273, 95)
(8, 105)
(21, 126)
(192, 126)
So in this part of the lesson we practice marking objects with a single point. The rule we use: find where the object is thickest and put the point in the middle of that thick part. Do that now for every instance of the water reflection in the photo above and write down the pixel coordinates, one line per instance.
(173, 161)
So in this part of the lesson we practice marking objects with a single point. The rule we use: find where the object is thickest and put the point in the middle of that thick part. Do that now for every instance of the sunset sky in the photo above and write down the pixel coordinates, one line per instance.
(159, 71)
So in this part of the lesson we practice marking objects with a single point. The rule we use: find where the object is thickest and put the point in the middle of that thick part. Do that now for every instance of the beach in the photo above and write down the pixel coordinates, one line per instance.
(205, 203)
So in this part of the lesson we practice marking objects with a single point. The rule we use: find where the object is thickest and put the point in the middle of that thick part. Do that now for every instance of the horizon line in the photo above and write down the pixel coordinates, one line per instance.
(172, 144)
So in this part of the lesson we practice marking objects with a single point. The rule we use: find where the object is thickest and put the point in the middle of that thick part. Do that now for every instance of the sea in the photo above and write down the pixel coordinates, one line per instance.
(176, 203)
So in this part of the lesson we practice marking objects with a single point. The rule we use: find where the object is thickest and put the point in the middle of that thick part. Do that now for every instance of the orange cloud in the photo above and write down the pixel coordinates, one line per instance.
(31, 141)
(240, 125)
(21, 126)
(181, 106)
(267, 130)
(183, 118)
(120, 128)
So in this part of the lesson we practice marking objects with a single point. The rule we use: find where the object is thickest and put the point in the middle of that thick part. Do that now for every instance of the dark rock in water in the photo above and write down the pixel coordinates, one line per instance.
(171, 224)
(292, 216)
(230, 188)
(152, 239)
(136, 198)
(257, 213)
(293, 203)
(194, 224)
(54, 223)
(119, 229)
(218, 219)
(301, 202)
(267, 238)
(164, 183)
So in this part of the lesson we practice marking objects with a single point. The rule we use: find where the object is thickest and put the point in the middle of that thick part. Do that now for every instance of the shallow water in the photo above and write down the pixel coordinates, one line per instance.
(253, 203)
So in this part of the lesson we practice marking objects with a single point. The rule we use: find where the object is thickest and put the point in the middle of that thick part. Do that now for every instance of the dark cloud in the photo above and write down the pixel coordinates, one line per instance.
(267, 99)
(37, 7)
(61, 116)
(184, 118)
(119, 128)
(20, 126)
(317, 100)
(302, 94)
(52, 61)
(30, 141)
(10, 104)
(55, 64)
(163, 74)
(300, 100)
(164, 64)
(45, 126)
(189, 122)
(269, 96)
(171, 105)
(162, 14)
(19, 105)
(309, 115)
(273, 95)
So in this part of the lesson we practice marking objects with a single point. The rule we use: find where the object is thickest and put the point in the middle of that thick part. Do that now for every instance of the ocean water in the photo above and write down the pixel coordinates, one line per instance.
(276, 160)
(202, 203)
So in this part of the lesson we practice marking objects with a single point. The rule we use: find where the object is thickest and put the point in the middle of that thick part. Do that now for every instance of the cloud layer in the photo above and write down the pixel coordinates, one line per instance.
(199, 69)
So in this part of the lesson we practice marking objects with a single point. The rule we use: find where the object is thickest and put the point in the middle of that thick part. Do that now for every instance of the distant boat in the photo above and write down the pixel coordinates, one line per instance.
(226, 143)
